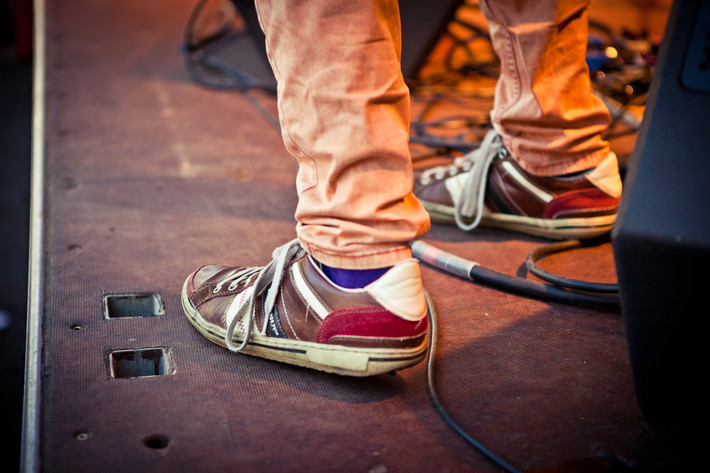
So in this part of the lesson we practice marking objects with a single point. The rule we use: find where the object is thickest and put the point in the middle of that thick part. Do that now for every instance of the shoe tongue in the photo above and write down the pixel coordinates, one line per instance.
(206, 273)
(455, 185)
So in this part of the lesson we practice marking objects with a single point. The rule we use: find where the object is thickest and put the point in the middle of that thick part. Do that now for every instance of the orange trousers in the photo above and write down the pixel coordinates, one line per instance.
(344, 113)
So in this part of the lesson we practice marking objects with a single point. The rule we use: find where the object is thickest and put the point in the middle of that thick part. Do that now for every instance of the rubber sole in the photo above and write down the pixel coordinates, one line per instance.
(339, 359)
(557, 229)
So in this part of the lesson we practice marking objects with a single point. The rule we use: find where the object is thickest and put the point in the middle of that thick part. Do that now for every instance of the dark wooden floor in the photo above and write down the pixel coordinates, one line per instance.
(150, 175)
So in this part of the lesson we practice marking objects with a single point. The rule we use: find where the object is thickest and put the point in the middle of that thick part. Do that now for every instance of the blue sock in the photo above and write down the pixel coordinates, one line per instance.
(353, 278)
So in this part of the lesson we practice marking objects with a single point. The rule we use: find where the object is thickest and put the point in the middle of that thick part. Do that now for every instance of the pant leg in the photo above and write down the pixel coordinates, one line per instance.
(544, 108)
(344, 113)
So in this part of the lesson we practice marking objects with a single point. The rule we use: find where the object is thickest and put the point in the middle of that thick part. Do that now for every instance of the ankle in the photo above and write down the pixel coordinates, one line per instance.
(352, 278)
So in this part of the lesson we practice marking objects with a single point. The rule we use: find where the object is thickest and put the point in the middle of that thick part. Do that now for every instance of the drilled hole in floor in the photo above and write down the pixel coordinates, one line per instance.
(82, 435)
(137, 363)
(147, 304)
(157, 442)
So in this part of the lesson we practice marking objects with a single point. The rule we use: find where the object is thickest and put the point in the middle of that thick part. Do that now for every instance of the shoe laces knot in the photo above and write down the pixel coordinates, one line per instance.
(470, 204)
(474, 166)
(268, 279)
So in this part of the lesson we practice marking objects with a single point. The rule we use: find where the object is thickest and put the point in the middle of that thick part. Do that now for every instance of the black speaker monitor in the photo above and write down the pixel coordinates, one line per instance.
(661, 239)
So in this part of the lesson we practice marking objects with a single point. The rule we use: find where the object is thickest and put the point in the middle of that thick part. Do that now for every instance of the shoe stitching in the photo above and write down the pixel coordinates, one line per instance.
(302, 298)
(366, 338)
(296, 268)
(288, 319)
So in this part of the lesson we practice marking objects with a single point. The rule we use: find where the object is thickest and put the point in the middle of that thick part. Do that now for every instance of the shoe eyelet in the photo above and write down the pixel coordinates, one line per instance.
(232, 287)
(216, 290)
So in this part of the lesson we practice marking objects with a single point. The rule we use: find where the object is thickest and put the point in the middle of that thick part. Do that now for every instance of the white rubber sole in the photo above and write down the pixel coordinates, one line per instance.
(557, 229)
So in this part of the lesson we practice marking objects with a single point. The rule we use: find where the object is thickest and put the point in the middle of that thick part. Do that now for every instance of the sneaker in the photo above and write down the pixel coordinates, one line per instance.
(488, 188)
(289, 311)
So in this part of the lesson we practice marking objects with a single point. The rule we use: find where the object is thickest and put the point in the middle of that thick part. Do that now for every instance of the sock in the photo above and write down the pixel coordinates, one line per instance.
(353, 278)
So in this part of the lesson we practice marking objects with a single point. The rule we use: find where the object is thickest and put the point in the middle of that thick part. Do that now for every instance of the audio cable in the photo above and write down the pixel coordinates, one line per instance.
(556, 289)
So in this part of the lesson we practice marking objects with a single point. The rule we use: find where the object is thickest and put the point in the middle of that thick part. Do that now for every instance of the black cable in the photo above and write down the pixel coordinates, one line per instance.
(558, 247)
(195, 54)
(538, 290)
(442, 144)
(187, 44)
(461, 267)
(438, 405)
(541, 291)
(474, 127)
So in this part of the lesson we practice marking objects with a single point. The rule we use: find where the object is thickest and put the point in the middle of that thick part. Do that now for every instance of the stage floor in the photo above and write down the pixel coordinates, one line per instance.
(149, 175)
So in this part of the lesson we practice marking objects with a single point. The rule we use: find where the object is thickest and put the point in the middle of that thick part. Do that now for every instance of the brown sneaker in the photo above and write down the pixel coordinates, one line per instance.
(487, 187)
(289, 311)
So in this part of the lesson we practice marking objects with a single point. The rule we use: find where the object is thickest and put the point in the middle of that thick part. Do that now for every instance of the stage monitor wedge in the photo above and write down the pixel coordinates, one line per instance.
(661, 239)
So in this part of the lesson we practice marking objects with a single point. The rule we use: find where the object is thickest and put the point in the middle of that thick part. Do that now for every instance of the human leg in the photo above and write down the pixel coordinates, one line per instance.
(344, 114)
(545, 169)
(544, 109)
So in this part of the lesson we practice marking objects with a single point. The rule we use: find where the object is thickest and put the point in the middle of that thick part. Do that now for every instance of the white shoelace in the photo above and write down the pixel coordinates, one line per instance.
(468, 204)
(271, 274)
